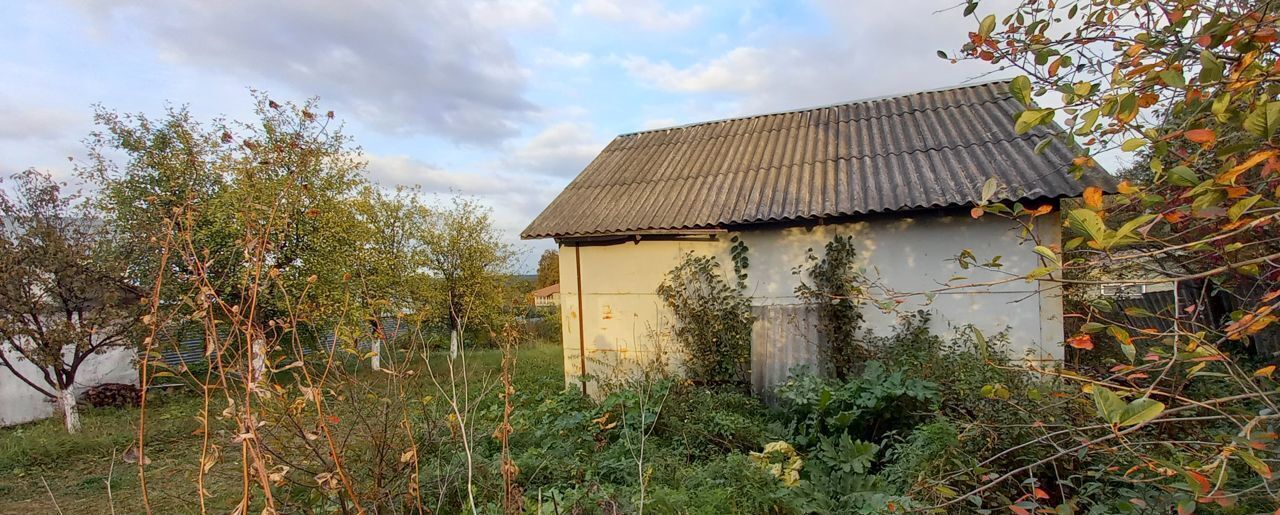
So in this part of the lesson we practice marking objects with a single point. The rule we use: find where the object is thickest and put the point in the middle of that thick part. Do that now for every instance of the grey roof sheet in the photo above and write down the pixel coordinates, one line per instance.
(918, 151)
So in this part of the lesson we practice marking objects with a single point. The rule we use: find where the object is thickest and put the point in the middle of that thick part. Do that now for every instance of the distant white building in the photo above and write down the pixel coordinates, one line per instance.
(548, 296)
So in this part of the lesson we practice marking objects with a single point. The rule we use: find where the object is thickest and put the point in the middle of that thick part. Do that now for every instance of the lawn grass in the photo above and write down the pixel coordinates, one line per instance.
(76, 468)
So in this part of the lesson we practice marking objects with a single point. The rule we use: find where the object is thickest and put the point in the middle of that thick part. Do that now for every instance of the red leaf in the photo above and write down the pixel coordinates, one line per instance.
(976, 212)
(1201, 135)
(1019, 510)
(1041, 494)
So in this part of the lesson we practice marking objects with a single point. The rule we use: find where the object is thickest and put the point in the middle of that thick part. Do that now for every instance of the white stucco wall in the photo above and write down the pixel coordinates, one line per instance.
(19, 403)
(625, 323)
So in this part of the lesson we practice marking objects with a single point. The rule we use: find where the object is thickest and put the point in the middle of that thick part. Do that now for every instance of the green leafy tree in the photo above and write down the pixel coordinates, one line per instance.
(64, 294)
(548, 269)
(468, 263)
(288, 177)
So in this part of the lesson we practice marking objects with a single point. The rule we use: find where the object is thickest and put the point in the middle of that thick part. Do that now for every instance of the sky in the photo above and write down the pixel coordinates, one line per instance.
(501, 100)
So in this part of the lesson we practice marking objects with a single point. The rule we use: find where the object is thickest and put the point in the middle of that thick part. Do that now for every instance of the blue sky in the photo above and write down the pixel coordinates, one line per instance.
(504, 100)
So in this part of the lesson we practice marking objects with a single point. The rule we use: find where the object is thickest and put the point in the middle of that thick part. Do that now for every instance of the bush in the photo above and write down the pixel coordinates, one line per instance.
(713, 319)
(868, 406)
(837, 289)
(728, 484)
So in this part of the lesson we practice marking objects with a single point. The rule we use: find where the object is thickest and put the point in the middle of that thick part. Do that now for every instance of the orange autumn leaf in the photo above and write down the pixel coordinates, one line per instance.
(1041, 494)
(1202, 136)
(1043, 209)
(976, 212)
(1093, 197)
(1174, 217)
(1265, 371)
(1201, 482)
(1081, 341)
(1229, 176)
(1126, 188)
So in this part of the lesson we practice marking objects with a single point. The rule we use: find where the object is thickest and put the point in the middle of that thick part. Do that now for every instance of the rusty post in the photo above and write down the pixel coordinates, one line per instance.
(582, 335)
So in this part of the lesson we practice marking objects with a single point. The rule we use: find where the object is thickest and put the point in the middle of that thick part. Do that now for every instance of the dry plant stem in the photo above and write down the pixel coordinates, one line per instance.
(52, 499)
(144, 367)
(111, 472)
(317, 397)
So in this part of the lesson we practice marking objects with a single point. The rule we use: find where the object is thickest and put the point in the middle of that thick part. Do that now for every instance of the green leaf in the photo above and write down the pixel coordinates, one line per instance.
(1047, 253)
(1173, 78)
(1092, 327)
(942, 55)
(1130, 352)
(1132, 144)
(1264, 120)
(1239, 208)
(1020, 88)
(1255, 463)
(1042, 145)
(989, 188)
(1087, 121)
(987, 25)
(1087, 223)
(1183, 176)
(1110, 406)
(1139, 411)
(1032, 118)
(1210, 67)
(1038, 273)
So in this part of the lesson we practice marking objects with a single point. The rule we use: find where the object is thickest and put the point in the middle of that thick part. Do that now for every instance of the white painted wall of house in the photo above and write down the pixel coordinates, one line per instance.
(626, 325)
(19, 403)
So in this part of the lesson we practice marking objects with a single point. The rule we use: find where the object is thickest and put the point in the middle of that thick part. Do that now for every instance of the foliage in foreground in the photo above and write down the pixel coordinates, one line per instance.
(1186, 412)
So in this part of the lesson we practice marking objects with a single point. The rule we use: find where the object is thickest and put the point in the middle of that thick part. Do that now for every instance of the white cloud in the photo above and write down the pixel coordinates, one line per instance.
(512, 13)
(552, 57)
(741, 70)
(562, 149)
(37, 123)
(400, 67)
(872, 49)
(648, 14)
(516, 198)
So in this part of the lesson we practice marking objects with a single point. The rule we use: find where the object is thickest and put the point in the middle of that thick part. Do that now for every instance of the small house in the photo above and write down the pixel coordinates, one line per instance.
(546, 296)
(899, 174)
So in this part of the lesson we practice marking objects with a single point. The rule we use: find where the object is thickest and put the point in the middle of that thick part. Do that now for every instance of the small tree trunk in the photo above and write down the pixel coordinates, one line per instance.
(70, 415)
(376, 347)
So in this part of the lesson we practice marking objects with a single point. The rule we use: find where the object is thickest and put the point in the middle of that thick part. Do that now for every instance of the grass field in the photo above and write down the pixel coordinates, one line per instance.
(45, 470)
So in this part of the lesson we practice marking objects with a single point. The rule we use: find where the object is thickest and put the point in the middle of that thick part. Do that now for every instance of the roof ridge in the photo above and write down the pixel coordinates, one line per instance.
(608, 148)
(942, 148)
(825, 106)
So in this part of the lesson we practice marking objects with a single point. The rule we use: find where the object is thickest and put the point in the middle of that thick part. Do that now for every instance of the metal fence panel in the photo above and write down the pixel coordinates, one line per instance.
(782, 337)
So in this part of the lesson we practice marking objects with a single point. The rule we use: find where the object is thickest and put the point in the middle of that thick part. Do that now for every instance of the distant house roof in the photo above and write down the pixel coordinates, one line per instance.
(546, 291)
(917, 151)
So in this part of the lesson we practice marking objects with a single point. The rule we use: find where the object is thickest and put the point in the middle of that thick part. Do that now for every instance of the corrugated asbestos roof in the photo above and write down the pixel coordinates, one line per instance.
(918, 151)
